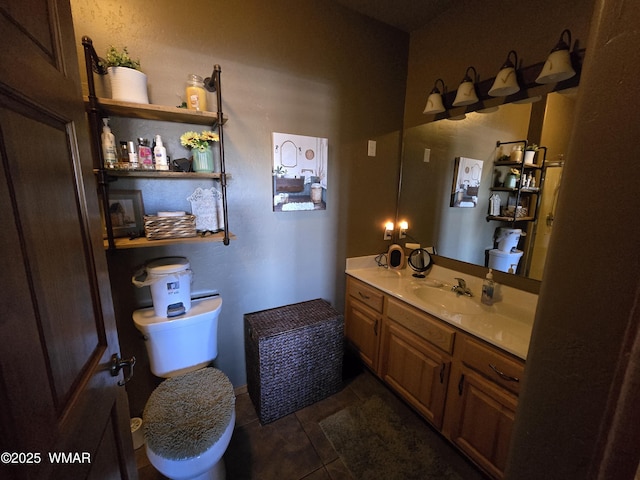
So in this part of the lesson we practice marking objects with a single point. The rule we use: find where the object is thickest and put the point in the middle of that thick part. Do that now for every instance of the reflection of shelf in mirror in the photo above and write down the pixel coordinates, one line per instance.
(500, 218)
(514, 190)
(517, 164)
(142, 242)
(160, 174)
(155, 112)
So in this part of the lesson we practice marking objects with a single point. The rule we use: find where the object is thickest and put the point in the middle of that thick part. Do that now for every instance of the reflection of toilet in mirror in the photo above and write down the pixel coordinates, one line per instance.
(189, 418)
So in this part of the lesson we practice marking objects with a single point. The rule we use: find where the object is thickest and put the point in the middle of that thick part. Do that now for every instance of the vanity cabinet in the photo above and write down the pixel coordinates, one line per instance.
(415, 358)
(363, 321)
(463, 386)
(482, 402)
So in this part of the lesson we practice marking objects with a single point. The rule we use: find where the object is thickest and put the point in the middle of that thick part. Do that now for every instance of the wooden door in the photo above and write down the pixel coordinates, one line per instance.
(482, 421)
(62, 415)
(362, 325)
(414, 369)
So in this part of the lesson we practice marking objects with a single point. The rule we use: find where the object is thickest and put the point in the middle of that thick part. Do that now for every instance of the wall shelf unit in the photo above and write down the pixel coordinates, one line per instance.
(99, 108)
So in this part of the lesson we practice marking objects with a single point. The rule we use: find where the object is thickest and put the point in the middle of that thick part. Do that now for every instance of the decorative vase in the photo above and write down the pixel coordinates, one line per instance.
(128, 85)
(203, 159)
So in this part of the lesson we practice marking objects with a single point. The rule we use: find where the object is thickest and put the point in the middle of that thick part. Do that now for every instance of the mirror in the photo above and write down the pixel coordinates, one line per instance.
(420, 262)
(428, 160)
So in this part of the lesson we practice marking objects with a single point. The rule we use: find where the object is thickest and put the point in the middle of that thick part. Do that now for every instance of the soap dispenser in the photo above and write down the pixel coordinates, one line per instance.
(488, 289)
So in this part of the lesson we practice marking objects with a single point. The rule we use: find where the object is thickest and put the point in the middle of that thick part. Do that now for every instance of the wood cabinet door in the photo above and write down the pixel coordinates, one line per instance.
(482, 420)
(362, 328)
(63, 414)
(414, 369)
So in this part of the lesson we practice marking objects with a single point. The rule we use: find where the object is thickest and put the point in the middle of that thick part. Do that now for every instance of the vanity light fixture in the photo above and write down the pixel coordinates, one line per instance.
(506, 82)
(558, 65)
(403, 227)
(388, 231)
(466, 94)
(434, 102)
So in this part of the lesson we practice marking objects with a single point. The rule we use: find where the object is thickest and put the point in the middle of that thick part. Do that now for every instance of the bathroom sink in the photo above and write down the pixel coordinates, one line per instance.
(447, 300)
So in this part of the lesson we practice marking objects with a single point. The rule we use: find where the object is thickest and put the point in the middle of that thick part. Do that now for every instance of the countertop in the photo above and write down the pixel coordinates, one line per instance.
(506, 324)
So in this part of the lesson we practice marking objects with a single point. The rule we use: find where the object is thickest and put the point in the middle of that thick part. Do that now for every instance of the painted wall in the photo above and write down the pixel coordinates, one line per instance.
(306, 68)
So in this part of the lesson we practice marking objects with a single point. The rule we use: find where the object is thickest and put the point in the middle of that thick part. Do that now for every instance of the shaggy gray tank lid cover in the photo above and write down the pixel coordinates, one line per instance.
(186, 415)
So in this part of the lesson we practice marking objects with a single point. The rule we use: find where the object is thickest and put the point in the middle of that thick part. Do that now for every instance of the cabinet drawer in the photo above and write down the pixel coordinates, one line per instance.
(494, 365)
(422, 325)
(367, 295)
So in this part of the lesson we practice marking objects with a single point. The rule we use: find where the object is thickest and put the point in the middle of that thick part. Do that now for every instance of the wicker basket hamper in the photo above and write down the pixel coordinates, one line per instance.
(293, 357)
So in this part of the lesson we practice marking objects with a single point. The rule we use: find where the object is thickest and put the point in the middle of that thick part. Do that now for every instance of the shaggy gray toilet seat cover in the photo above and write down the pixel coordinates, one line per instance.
(186, 415)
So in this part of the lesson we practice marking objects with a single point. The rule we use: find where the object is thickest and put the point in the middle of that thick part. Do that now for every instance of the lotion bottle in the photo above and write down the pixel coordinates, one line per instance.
(108, 145)
(160, 155)
(488, 289)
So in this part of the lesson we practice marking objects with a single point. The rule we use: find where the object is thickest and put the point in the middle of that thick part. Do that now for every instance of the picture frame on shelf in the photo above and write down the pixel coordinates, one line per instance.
(126, 211)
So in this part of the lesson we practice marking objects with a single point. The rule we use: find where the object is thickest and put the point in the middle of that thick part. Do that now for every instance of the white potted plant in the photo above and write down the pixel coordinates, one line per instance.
(128, 83)
(530, 154)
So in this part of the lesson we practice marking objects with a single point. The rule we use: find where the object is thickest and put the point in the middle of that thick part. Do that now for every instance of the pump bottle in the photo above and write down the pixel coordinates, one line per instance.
(488, 289)
(108, 145)
(160, 155)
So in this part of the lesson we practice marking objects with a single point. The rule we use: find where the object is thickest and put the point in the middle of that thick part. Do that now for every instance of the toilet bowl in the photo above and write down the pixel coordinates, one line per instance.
(189, 418)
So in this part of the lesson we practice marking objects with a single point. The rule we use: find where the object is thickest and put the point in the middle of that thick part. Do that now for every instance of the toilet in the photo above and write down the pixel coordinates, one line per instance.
(189, 418)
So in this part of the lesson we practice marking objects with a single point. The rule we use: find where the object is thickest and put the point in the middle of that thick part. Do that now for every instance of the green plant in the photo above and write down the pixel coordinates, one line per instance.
(120, 58)
(198, 140)
(532, 147)
(280, 170)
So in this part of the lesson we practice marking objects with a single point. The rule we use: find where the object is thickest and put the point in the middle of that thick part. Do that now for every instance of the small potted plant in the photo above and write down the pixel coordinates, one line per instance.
(128, 83)
(530, 154)
(279, 171)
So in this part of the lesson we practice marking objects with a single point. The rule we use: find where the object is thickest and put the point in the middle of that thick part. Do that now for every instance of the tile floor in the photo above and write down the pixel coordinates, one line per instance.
(295, 448)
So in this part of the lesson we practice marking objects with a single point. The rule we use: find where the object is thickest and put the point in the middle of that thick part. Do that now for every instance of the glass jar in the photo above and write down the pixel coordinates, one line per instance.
(195, 93)
(516, 154)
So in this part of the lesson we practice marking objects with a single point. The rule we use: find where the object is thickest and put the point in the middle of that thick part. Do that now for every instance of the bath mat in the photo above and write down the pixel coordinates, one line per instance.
(374, 444)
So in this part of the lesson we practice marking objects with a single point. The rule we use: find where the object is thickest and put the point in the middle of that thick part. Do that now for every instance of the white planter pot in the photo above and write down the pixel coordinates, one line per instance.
(128, 85)
(529, 157)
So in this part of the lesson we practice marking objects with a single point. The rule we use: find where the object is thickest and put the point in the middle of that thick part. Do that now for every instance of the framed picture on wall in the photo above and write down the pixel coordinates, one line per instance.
(467, 174)
(126, 212)
(299, 172)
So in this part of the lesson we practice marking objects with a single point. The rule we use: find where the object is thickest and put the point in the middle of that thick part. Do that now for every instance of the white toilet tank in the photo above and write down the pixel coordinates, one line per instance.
(181, 344)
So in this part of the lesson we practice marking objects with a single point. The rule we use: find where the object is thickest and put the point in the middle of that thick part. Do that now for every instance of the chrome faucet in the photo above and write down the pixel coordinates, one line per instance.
(461, 288)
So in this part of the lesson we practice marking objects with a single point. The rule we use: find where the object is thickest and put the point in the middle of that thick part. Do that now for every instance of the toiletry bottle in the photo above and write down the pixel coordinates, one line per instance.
(488, 287)
(133, 155)
(108, 145)
(145, 155)
(160, 155)
(196, 94)
(124, 155)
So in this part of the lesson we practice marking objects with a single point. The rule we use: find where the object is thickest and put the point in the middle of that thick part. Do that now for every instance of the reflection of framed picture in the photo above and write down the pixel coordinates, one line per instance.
(467, 174)
(126, 212)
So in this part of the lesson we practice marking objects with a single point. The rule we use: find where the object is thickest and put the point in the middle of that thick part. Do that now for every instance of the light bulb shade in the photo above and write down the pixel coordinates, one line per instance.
(434, 104)
(557, 68)
(558, 65)
(466, 94)
(506, 82)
